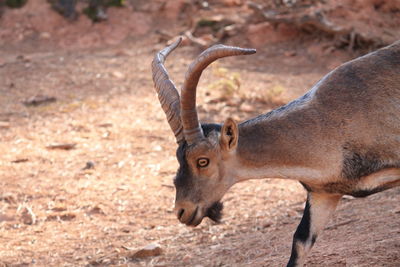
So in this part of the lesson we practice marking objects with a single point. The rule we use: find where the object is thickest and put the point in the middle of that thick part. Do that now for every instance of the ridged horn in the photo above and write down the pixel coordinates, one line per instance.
(166, 91)
(191, 127)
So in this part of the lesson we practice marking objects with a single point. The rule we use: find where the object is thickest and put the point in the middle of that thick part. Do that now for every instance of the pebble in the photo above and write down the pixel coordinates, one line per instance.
(27, 216)
(150, 250)
(118, 74)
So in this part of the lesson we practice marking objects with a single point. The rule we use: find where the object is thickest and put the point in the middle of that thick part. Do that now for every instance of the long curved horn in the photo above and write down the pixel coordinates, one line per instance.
(166, 91)
(191, 127)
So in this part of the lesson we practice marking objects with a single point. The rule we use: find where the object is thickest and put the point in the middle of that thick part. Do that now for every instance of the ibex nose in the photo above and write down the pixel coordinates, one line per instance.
(187, 212)
(179, 213)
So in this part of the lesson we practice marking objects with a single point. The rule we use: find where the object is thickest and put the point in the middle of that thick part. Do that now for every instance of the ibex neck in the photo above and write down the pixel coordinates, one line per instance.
(281, 144)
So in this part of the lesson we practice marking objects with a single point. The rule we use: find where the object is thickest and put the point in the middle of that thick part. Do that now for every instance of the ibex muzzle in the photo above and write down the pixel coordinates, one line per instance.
(340, 138)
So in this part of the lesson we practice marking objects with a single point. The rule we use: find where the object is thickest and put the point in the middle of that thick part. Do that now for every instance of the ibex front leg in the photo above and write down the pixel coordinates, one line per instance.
(318, 210)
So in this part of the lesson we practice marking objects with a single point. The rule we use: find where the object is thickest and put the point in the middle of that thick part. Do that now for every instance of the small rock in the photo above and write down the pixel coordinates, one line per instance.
(150, 250)
(290, 53)
(20, 160)
(118, 74)
(59, 208)
(105, 125)
(96, 210)
(39, 100)
(45, 35)
(62, 146)
(61, 217)
(157, 148)
(27, 216)
(23, 58)
(121, 164)
(89, 165)
(8, 198)
(186, 258)
(125, 230)
(267, 225)
(106, 135)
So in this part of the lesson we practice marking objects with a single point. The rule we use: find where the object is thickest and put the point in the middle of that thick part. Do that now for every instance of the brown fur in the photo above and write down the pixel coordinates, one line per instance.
(342, 137)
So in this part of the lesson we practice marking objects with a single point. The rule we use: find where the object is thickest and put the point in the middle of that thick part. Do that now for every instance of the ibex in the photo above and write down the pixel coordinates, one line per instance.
(340, 138)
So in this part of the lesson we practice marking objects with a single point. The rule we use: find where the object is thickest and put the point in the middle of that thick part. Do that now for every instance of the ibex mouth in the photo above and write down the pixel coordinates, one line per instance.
(193, 220)
(190, 219)
(214, 212)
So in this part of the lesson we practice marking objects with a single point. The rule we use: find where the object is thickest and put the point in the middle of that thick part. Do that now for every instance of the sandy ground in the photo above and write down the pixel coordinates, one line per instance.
(110, 192)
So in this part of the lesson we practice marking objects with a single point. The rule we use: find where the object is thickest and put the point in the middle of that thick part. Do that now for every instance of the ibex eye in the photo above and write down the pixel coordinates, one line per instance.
(202, 162)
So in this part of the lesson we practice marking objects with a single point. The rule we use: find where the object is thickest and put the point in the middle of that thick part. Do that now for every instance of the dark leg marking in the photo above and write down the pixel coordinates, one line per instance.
(293, 257)
(319, 208)
(303, 230)
(302, 234)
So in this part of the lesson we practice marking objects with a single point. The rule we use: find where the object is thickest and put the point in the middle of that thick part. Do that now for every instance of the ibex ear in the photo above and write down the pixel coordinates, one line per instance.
(229, 135)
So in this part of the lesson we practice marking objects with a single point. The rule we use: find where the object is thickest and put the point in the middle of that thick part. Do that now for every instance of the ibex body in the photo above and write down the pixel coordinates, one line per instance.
(341, 138)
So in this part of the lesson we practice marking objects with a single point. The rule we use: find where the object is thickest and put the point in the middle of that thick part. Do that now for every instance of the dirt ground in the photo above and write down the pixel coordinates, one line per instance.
(86, 178)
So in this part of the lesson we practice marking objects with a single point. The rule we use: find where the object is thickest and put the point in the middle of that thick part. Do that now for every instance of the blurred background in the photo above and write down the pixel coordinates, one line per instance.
(351, 24)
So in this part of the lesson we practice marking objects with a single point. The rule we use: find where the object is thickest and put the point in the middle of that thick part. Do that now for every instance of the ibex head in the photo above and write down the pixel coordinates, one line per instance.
(205, 152)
